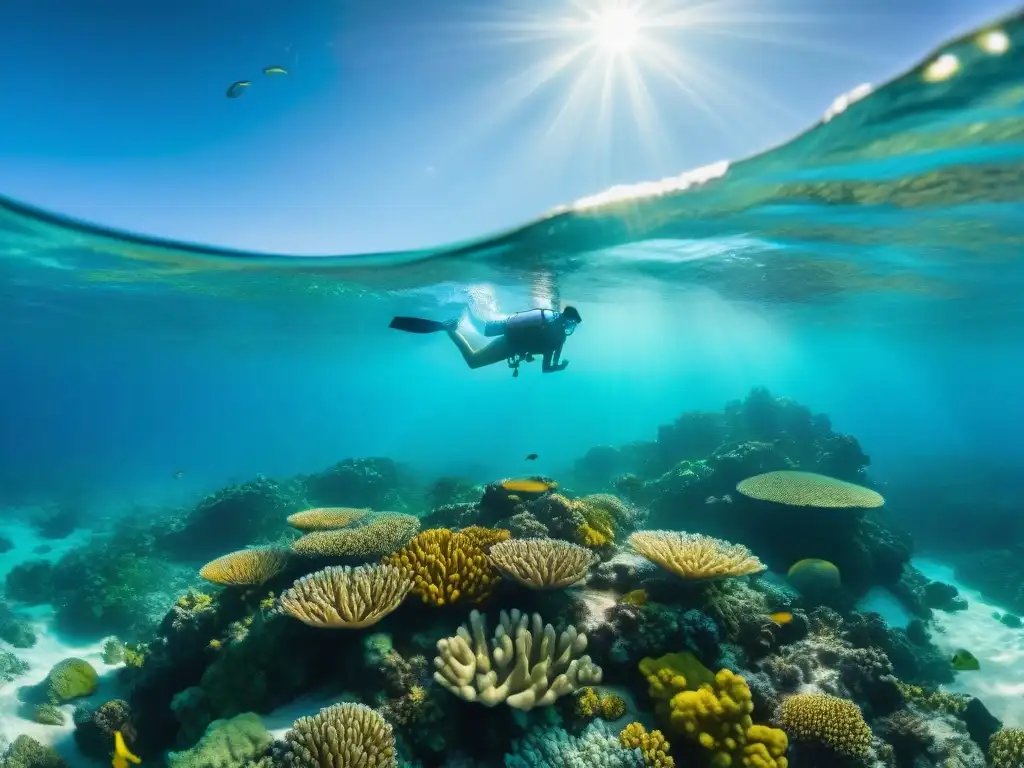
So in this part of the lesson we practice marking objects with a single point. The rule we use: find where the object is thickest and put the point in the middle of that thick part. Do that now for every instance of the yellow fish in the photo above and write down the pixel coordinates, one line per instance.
(121, 754)
(782, 617)
(528, 486)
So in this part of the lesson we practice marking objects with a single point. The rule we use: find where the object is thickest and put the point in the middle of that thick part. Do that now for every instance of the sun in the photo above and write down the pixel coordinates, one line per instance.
(616, 30)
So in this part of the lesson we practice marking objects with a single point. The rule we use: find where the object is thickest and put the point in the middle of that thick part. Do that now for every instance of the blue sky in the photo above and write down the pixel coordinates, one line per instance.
(399, 124)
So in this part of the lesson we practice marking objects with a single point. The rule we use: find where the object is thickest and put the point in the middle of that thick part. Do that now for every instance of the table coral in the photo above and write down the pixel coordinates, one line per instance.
(343, 735)
(542, 563)
(353, 598)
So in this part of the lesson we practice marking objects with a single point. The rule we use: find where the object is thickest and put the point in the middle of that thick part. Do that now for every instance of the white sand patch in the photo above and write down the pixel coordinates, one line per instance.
(1000, 650)
(26, 539)
(48, 650)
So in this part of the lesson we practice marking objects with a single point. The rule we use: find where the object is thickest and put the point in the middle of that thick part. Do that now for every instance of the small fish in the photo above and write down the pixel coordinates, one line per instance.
(528, 486)
(531, 457)
(121, 754)
(237, 89)
(275, 71)
(179, 474)
(964, 661)
(781, 618)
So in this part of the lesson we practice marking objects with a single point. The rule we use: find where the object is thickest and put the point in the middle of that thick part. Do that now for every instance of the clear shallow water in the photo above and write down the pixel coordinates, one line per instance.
(870, 267)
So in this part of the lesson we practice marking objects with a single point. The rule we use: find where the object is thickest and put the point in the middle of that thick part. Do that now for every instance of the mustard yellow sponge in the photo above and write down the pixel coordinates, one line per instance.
(1006, 748)
(653, 746)
(446, 567)
(829, 720)
(713, 710)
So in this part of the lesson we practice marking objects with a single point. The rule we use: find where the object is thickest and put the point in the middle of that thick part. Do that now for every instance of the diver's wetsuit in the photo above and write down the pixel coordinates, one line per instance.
(519, 337)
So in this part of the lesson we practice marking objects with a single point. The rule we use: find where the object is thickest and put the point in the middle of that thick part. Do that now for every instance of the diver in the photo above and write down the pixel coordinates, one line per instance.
(516, 339)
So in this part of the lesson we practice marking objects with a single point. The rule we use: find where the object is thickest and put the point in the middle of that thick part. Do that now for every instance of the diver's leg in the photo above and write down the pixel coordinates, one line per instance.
(493, 352)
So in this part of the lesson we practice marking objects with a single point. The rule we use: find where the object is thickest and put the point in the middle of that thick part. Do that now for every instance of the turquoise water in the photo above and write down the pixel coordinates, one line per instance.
(873, 257)
(870, 269)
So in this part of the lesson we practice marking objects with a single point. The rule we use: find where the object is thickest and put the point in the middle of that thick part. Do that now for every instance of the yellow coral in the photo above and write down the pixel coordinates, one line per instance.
(485, 538)
(353, 598)
(592, 537)
(134, 655)
(245, 568)
(829, 720)
(934, 701)
(446, 567)
(694, 555)
(194, 601)
(382, 535)
(542, 563)
(653, 746)
(607, 706)
(1006, 748)
(713, 710)
(326, 518)
(215, 644)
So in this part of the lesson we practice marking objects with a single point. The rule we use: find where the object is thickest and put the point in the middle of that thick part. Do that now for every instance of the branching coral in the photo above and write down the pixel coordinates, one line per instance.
(714, 710)
(695, 556)
(827, 720)
(542, 563)
(246, 567)
(526, 664)
(446, 567)
(326, 518)
(653, 745)
(382, 535)
(807, 489)
(1006, 748)
(26, 752)
(347, 597)
(340, 736)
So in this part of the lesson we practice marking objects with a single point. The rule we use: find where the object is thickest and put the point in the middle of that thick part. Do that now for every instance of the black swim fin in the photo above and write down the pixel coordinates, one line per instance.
(416, 325)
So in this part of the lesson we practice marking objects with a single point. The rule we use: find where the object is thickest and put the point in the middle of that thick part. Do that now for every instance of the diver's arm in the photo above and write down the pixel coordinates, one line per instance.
(551, 361)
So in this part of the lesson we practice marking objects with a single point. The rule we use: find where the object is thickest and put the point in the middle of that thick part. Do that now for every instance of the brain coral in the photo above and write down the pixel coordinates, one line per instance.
(246, 567)
(828, 720)
(807, 489)
(695, 556)
(326, 518)
(542, 563)
(340, 736)
(347, 597)
(70, 679)
(446, 567)
(380, 536)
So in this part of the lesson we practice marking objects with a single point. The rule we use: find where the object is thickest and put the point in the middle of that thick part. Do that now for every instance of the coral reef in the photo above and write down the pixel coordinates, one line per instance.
(446, 567)
(95, 727)
(226, 744)
(525, 666)
(542, 563)
(347, 597)
(827, 721)
(246, 567)
(598, 746)
(15, 630)
(803, 679)
(714, 710)
(26, 752)
(339, 735)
